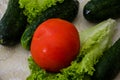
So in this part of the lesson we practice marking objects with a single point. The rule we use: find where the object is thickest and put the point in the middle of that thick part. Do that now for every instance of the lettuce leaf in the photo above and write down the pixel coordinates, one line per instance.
(94, 42)
(34, 8)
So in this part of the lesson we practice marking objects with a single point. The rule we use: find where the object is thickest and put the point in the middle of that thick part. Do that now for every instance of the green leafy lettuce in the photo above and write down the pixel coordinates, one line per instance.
(94, 41)
(34, 8)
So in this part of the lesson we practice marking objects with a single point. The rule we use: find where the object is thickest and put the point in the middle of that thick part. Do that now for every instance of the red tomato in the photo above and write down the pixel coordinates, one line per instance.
(55, 44)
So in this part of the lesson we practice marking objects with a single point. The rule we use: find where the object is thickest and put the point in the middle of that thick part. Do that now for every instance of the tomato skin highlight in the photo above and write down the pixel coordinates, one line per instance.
(55, 44)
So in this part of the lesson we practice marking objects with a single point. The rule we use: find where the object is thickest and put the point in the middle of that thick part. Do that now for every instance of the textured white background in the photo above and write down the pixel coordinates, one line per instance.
(13, 61)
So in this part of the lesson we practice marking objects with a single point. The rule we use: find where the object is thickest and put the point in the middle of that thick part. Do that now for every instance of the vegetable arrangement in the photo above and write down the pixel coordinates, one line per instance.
(83, 66)
(58, 51)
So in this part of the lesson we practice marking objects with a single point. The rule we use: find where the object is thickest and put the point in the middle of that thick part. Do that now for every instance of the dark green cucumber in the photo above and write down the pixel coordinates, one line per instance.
(99, 10)
(66, 10)
(109, 65)
(12, 24)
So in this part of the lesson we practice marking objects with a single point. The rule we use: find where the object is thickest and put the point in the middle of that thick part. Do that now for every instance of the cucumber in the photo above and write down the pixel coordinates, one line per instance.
(66, 10)
(99, 10)
(12, 24)
(109, 65)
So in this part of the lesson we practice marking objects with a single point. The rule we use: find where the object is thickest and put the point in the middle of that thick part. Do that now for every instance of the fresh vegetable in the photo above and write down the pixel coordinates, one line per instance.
(94, 41)
(66, 10)
(98, 10)
(34, 8)
(109, 65)
(55, 44)
(12, 24)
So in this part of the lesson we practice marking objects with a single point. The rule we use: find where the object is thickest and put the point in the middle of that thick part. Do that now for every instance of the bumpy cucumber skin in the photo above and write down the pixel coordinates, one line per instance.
(67, 10)
(109, 65)
(12, 24)
(99, 10)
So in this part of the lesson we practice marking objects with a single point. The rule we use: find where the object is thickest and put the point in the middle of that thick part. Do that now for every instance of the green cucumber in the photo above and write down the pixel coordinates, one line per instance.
(109, 65)
(99, 10)
(66, 10)
(12, 24)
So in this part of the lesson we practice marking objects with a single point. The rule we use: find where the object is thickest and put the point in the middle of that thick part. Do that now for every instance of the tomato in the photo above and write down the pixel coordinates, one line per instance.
(55, 44)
